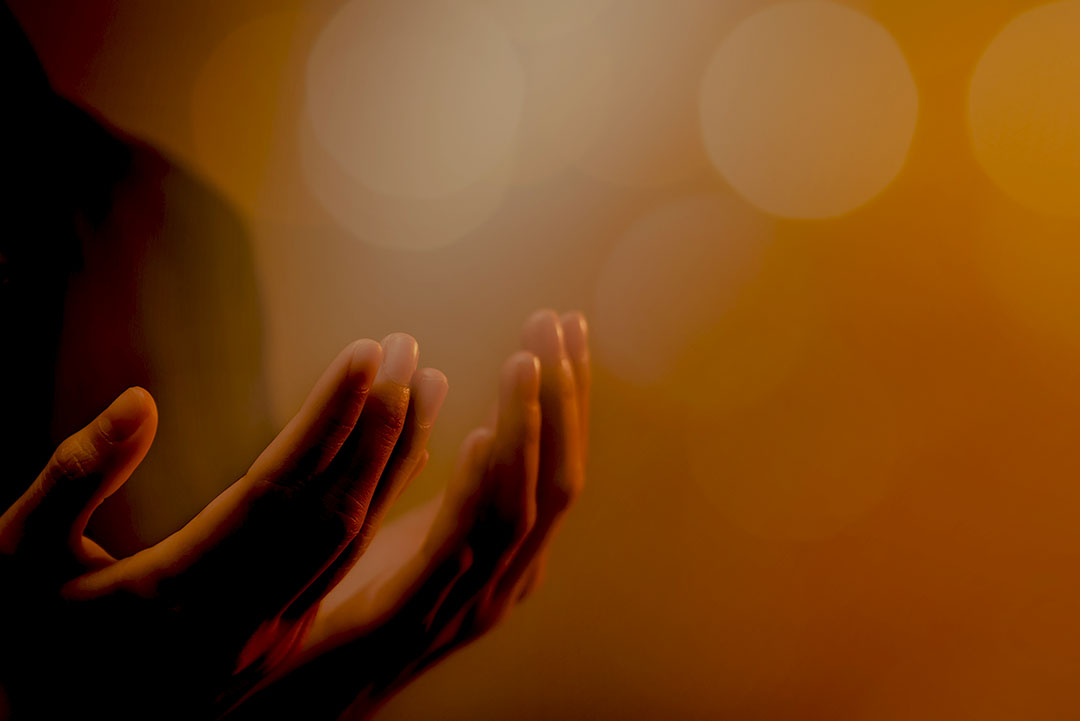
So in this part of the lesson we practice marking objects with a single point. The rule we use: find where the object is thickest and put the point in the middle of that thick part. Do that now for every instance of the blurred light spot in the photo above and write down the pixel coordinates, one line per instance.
(808, 109)
(236, 106)
(650, 136)
(541, 21)
(415, 99)
(1025, 109)
(565, 107)
(396, 221)
(683, 305)
(806, 461)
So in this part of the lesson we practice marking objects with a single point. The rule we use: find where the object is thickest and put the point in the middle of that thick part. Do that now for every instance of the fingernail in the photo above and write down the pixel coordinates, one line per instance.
(125, 415)
(528, 375)
(431, 390)
(401, 353)
(575, 322)
(545, 336)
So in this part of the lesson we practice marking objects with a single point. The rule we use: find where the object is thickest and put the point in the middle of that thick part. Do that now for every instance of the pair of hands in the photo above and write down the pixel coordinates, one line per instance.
(257, 607)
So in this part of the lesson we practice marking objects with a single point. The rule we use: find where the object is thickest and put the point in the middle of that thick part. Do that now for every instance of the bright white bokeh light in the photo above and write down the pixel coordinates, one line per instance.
(1024, 109)
(808, 109)
(415, 99)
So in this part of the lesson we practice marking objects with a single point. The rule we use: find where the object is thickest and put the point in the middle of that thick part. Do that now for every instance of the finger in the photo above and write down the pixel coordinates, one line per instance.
(507, 506)
(462, 498)
(314, 436)
(446, 554)
(85, 469)
(417, 587)
(260, 542)
(359, 470)
(575, 336)
(351, 478)
(561, 466)
(513, 468)
(427, 392)
(576, 339)
(562, 474)
(320, 682)
(419, 468)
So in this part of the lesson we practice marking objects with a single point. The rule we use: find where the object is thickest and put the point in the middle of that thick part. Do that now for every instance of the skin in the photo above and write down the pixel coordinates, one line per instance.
(279, 597)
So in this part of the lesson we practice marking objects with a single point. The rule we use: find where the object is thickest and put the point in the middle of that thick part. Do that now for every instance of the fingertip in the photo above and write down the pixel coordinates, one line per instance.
(478, 442)
(402, 353)
(430, 376)
(575, 318)
(575, 332)
(430, 388)
(131, 410)
(364, 358)
(521, 374)
(543, 332)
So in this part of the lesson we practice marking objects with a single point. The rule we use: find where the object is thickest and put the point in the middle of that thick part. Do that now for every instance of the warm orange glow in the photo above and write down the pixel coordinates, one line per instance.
(1025, 110)
(246, 70)
(830, 255)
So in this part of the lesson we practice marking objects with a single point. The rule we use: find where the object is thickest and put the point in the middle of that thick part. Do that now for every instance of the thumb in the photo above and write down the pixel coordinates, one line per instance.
(86, 468)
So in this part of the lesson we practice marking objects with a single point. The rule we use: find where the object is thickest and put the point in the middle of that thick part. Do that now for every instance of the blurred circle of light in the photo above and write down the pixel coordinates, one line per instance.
(543, 21)
(565, 107)
(650, 135)
(1024, 109)
(396, 221)
(235, 107)
(681, 305)
(417, 99)
(808, 109)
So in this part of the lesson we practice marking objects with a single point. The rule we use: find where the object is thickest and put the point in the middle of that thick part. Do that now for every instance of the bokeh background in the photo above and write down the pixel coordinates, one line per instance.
(829, 251)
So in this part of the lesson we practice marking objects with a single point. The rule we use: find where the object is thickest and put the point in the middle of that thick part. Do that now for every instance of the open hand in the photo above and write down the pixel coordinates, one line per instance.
(446, 573)
(187, 627)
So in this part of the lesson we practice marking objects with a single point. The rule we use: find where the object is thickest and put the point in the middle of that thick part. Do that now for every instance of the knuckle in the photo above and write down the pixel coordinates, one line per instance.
(382, 431)
(72, 461)
(337, 430)
(391, 408)
(343, 514)
(339, 530)
(275, 490)
(332, 518)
